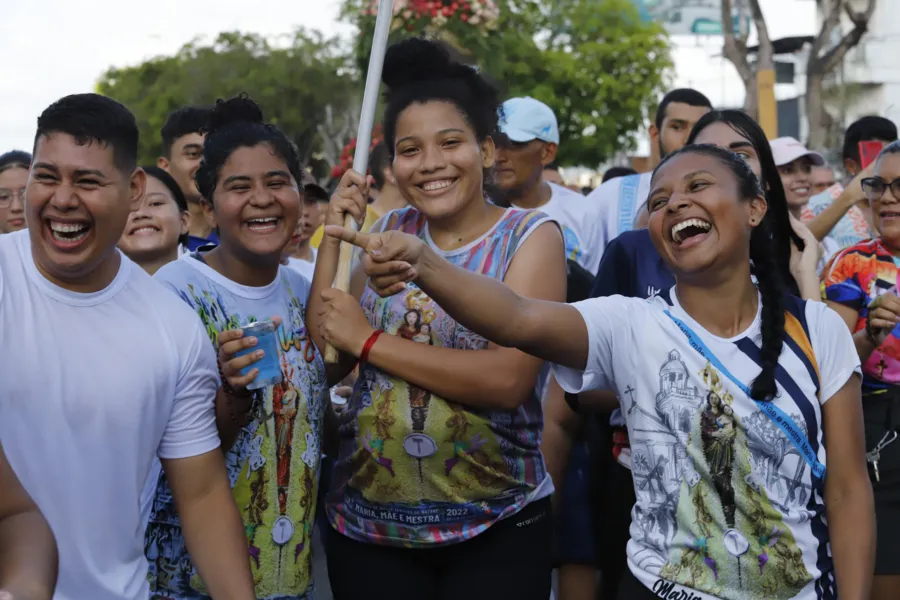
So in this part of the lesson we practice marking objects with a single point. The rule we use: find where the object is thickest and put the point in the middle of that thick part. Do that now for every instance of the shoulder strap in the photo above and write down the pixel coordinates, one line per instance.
(796, 330)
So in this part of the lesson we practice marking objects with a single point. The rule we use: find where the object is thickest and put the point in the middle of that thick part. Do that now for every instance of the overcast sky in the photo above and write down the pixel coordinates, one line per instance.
(51, 48)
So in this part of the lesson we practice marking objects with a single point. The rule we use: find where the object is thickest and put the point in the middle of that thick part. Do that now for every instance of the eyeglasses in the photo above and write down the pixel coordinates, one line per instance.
(6, 197)
(873, 188)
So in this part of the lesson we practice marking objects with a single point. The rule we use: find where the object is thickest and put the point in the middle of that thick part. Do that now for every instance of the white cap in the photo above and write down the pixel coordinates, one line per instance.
(527, 119)
(786, 150)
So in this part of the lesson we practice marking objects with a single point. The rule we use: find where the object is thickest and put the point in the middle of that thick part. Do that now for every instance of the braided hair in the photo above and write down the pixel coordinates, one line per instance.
(767, 271)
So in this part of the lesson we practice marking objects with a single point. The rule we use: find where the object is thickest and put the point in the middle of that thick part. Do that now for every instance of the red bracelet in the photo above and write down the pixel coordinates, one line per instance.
(367, 347)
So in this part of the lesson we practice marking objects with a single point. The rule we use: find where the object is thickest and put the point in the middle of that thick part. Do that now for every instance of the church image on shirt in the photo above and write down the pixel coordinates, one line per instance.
(659, 452)
(676, 402)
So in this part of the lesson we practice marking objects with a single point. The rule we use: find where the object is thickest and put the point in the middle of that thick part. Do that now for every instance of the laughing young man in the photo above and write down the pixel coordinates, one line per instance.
(103, 369)
(622, 198)
(182, 138)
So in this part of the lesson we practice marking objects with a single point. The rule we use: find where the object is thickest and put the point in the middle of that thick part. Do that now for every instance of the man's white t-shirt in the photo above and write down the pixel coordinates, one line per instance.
(579, 219)
(93, 387)
(307, 268)
(620, 201)
(725, 502)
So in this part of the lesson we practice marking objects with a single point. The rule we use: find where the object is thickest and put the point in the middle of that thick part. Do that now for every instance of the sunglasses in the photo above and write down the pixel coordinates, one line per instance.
(873, 188)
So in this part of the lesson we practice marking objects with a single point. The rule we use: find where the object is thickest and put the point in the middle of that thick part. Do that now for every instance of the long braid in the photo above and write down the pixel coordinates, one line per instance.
(769, 280)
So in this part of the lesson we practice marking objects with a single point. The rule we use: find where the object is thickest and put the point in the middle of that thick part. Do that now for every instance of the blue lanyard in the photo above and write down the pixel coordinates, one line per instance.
(781, 419)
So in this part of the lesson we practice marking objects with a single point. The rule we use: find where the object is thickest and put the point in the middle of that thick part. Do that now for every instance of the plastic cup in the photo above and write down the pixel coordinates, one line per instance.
(336, 399)
(269, 365)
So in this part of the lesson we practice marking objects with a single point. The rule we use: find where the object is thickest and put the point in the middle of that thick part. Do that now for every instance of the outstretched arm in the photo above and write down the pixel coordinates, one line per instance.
(493, 377)
(28, 560)
(549, 330)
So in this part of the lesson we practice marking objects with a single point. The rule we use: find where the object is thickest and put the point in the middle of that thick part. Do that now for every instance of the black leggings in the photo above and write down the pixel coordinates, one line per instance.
(512, 559)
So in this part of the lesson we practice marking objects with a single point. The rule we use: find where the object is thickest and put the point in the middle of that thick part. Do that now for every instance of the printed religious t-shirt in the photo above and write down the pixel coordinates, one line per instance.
(726, 504)
(274, 464)
(580, 221)
(855, 277)
(93, 387)
(417, 470)
(633, 268)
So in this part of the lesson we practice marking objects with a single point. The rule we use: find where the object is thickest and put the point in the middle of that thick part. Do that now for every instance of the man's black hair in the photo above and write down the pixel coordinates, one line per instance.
(93, 118)
(182, 122)
(687, 96)
(613, 172)
(867, 129)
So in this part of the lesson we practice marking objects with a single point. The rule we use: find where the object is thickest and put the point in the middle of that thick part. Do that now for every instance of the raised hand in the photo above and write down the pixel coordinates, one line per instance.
(350, 197)
(884, 314)
(804, 261)
(390, 259)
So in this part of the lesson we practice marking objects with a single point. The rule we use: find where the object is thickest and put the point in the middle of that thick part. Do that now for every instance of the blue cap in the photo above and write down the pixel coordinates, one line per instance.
(527, 119)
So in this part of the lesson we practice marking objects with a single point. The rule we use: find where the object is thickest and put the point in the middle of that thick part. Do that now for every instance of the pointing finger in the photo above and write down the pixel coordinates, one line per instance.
(360, 240)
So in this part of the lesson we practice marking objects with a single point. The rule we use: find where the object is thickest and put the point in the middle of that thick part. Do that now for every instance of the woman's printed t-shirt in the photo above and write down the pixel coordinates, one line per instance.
(726, 506)
(274, 464)
(854, 278)
(633, 268)
(417, 470)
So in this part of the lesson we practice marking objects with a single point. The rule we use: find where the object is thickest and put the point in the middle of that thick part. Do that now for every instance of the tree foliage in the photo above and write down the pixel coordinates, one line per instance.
(594, 62)
(303, 82)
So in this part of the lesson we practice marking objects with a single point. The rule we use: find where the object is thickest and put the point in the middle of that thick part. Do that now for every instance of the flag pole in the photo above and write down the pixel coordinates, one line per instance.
(364, 139)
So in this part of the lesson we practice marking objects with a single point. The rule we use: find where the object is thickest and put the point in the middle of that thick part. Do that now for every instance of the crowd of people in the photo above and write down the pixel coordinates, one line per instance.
(680, 385)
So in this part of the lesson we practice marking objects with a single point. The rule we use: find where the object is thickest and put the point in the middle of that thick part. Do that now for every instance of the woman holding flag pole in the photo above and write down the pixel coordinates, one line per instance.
(440, 487)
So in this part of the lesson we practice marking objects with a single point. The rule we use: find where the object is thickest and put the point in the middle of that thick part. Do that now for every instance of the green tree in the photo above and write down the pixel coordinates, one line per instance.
(304, 82)
(594, 62)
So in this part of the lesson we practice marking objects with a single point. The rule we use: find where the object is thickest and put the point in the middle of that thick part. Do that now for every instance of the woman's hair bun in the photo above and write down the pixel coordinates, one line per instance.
(240, 108)
(417, 59)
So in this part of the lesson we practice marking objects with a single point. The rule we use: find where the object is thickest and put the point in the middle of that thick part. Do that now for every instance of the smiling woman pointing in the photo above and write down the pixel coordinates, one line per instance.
(729, 391)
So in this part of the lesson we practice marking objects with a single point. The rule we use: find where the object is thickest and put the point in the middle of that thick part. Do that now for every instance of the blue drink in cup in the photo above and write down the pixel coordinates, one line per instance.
(269, 365)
